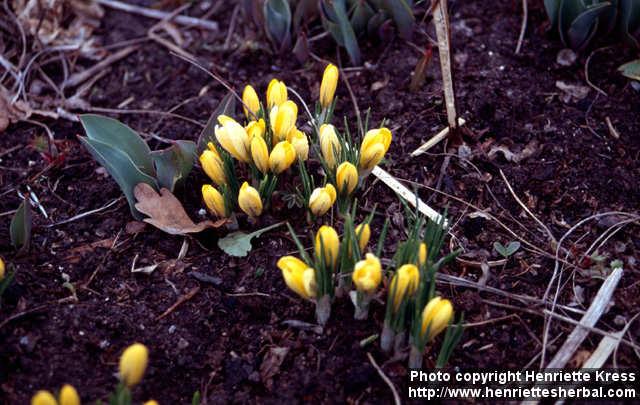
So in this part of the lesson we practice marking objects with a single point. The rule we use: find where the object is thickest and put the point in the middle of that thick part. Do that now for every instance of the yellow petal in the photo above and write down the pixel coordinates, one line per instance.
(69, 395)
(403, 284)
(133, 364)
(2, 269)
(276, 93)
(329, 145)
(328, 85)
(436, 316)
(282, 157)
(422, 254)
(249, 200)
(260, 154)
(327, 245)
(346, 178)
(300, 143)
(250, 100)
(293, 273)
(367, 274)
(43, 398)
(214, 201)
(213, 166)
(363, 233)
(256, 128)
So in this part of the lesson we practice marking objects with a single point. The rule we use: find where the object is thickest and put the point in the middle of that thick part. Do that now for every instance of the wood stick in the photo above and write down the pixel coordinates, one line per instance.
(160, 15)
(443, 33)
(407, 194)
(80, 77)
(437, 138)
(589, 319)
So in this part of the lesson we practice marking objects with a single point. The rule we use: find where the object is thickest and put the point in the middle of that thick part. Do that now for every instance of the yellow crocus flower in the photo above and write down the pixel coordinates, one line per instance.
(422, 254)
(260, 154)
(256, 128)
(375, 144)
(436, 316)
(328, 85)
(282, 119)
(249, 200)
(151, 402)
(213, 165)
(346, 178)
(327, 245)
(300, 143)
(133, 364)
(68, 396)
(43, 397)
(298, 276)
(282, 157)
(403, 284)
(251, 101)
(276, 93)
(367, 274)
(233, 138)
(322, 199)
(214, 201)
(329, 144)
(363, 233)
(2, 269)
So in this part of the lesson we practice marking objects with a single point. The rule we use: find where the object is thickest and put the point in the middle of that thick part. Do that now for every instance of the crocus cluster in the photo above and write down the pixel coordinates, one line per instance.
(267, 145)
(131, 369)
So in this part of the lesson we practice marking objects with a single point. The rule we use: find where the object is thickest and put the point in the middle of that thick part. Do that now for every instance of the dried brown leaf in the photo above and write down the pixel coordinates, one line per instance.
(271, 364)
(166, 213)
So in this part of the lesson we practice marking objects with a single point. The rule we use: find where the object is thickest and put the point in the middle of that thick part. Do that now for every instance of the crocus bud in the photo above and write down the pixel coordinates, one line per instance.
(43, 398)
(422, 254)
(249, 200)
(2, 269)
(329, 144)
(299, 277)
(321, 199)
(276, 93)
(374, 145)
(327, 245)
(300, 143)
(260, 154)
(133, 364)
(282, 119)
(214, 201)
(403, 284)
(251, 101)
(282, 157)
(233, 138)
(436, 316)
(367, 274)
(256, 128)
(151, 402)
(68, 396)
(363, 233)
(213, 165)
(328, 85)
(346, 178)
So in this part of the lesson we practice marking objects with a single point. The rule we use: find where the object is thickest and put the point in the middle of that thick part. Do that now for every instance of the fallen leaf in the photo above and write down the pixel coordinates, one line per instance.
(529, 150)
(75, 254)
(135, 227)
(239, 243)
(271, 364)
(572, 92)
(166, 213)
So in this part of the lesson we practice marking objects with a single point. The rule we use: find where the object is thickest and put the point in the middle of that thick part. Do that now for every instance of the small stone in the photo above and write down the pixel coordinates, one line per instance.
(182, 344)
(172, 329)
(566, 57)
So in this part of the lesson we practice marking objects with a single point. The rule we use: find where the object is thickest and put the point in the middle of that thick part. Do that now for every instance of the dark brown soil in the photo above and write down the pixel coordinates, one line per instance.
(216, 341)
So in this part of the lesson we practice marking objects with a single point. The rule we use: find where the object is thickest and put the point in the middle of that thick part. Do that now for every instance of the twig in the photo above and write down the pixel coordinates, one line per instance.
(435, 139)
(78, 78)
(526, 209)
(396, 397)
(586, 72)
(85, 214)
(179, 302)
(589, 319)
(157, 14)
(523, 27)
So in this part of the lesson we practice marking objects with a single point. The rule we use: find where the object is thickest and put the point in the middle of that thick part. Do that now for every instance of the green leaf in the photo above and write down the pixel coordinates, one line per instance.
(277, 15)
(360, 16)
(227, 106)
(584, 26)
(121, 168)
(304, 13)
(174, 164)
(117, 135)
(631, 69)
(629, 21)
(20, 228)
(402, 15)
(239, 243)
(552, 7)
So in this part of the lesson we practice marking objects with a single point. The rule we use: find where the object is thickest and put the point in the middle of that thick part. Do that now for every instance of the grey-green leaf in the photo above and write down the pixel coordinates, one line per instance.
(346, 31)
(402, 16)
(174, 164)
(20, 228)
(277, 15)
(121, 168)
(239, 243)
(227, 106)
(631, 69)
(117, 135)
(584, 26)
